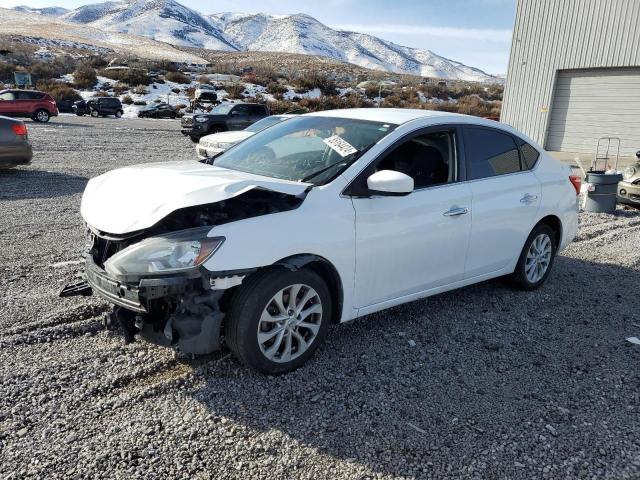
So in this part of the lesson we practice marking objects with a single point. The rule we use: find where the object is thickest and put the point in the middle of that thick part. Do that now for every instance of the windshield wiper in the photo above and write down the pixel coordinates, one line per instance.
(355, 157)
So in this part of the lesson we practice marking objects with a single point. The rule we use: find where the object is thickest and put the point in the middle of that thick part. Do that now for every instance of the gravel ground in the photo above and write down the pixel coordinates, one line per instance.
(486, 382)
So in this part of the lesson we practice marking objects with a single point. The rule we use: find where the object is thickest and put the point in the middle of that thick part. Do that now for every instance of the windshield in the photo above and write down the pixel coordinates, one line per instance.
(264, 123)
(223, 109)
(306, 148)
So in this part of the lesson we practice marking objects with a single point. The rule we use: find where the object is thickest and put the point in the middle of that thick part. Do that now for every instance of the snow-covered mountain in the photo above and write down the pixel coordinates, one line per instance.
(46, 11)
(173, 23)
(301, 33)
(163, 20)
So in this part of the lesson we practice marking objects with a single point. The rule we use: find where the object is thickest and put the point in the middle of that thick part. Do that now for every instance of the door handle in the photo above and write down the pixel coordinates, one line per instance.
(528, 199)
(456, 211)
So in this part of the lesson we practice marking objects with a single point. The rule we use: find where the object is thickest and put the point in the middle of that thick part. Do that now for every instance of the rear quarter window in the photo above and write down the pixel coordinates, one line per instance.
(529, 155)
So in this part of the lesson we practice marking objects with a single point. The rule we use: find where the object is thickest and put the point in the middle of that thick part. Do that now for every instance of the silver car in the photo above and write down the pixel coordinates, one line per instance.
(629, 187)
(15, 148)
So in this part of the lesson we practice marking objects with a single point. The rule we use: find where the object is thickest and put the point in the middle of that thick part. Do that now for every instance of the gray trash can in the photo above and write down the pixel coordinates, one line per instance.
(603, 198)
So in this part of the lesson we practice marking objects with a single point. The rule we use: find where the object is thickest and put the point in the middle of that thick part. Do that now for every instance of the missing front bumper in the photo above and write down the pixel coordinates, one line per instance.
(178, 312)
(121, 294)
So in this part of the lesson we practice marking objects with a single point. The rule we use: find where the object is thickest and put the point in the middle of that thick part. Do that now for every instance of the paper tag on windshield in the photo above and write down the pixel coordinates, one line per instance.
(340, 145)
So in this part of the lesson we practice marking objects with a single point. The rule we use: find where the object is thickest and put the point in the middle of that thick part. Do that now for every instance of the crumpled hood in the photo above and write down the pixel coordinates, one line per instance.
(133, 198)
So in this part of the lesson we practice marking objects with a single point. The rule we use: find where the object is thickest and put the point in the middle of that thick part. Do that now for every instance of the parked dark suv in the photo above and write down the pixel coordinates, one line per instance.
(228, 116)
(39, 106)
(99, 107)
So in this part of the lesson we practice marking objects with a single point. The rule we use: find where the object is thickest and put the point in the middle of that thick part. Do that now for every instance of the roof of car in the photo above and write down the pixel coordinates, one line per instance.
(19, 90)
(391, 115)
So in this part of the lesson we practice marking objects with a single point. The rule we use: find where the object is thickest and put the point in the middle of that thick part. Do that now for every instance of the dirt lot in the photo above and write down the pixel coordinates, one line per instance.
(486, 382)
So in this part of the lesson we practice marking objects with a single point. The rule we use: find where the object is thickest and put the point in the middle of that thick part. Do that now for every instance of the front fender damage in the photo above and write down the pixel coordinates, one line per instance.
(184, 312)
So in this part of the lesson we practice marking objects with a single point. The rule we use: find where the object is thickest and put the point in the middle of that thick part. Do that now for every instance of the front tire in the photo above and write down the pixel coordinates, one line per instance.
(41, 116)
(278, 319)
(536, 259)
(95, 114)
(194, 139)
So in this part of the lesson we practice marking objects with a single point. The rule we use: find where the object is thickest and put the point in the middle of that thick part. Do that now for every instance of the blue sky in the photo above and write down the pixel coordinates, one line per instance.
(474, 32)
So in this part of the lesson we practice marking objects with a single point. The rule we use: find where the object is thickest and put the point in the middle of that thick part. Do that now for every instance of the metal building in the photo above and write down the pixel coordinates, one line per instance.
(574, 73)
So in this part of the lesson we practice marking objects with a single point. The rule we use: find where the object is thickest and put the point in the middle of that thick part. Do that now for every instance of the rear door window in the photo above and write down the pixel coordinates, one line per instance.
(8, 96)
(29, 95)
(241, 109)
(490, 153)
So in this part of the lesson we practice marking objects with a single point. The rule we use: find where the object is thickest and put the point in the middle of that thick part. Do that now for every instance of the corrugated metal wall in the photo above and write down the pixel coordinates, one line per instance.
(553, 35)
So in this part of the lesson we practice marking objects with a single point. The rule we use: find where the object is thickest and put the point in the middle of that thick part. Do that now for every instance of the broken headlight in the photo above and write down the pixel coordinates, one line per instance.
(169, 253)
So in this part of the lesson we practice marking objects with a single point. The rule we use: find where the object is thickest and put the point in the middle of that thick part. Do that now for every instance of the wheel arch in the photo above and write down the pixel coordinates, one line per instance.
(217, 127)
(555, 224)
(326, 270)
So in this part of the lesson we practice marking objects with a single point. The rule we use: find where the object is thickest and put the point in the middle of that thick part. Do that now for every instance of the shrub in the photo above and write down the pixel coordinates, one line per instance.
(101, 93)
(131, 76)
(473, 105)
(326, 85)
(98, 62)
(119, 89)
(140, 90)
(204, 79)
(47, 70)
(58, 90)
(127, 100)
(177, 90)
(235, 91)
(177, 77)
(85, 77)
(6, 72)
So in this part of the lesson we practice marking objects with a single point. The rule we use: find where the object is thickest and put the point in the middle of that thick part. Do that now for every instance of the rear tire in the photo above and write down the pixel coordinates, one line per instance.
(41, 116)
(119, 114)
(263, 305)
(536, 259)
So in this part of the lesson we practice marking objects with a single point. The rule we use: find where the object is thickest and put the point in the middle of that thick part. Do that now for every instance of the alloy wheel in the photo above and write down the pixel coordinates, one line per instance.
(289, 323)
(538, 258)
(42, 116)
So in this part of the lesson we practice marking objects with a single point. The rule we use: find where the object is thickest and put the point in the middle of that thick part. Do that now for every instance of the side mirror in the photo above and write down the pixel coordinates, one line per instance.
(390, 182)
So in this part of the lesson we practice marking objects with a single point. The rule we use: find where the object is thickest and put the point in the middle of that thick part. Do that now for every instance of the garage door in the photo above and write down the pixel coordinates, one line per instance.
(589, 104)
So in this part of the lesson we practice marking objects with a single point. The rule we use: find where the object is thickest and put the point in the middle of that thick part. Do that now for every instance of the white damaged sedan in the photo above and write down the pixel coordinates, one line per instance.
(321, 219)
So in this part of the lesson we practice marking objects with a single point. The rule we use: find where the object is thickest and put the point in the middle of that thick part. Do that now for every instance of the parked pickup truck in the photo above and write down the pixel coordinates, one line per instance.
(225, 117)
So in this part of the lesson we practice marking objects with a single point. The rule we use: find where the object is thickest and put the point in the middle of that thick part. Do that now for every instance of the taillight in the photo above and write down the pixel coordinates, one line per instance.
(576, 181)
(19, 128)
